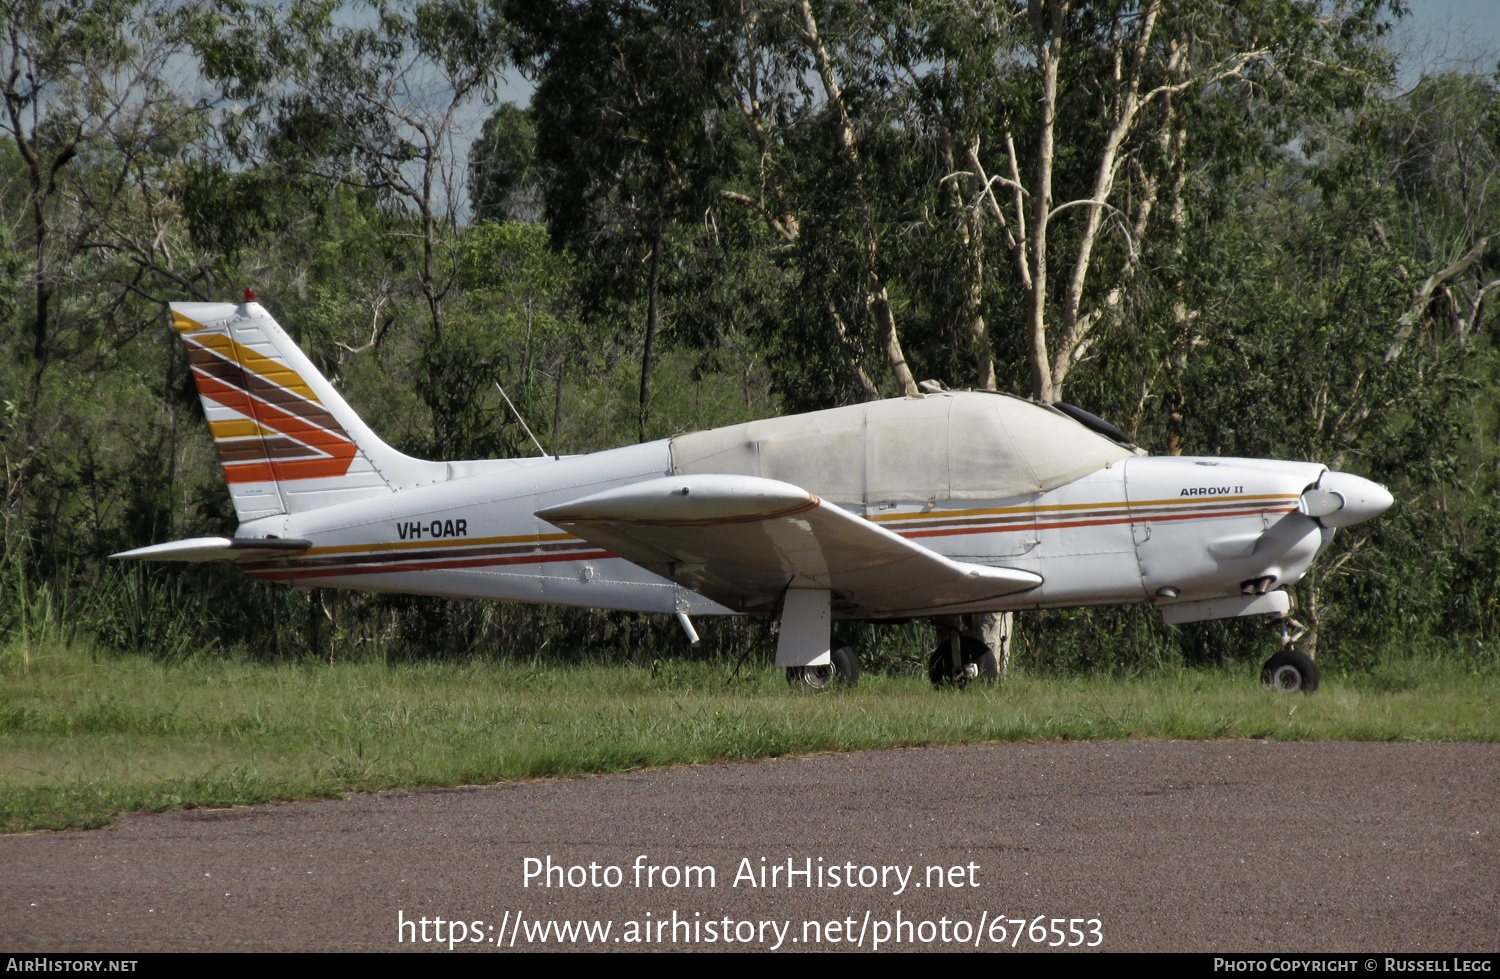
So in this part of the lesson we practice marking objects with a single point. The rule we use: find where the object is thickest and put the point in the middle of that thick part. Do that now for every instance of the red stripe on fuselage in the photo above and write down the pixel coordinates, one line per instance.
(293, 573)
(1012, 528)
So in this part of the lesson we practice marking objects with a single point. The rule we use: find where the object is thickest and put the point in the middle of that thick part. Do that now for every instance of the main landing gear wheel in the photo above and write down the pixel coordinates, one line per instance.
(976, 661)
(1290, 671)
(842, 670)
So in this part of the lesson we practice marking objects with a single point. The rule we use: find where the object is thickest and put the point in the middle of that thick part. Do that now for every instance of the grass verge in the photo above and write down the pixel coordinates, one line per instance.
(86, 736)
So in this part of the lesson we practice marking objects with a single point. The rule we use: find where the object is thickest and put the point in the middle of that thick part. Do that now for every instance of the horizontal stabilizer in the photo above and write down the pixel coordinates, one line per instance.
(743, 540)
(218, 549)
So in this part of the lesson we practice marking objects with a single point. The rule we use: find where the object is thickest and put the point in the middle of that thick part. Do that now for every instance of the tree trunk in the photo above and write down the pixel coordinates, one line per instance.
(984, 354)
(851, 357)
(429, 235)
(562, 366)
(877, 300)
(523, 383)
(885, 320)
(1049, 51)
(1308, 644)
(998, 629)
(1172, 142)
(969, 226)
(40, 188)
(650, 329)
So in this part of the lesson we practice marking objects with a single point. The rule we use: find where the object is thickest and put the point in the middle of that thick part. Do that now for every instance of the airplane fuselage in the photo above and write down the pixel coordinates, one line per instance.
(1162, 529)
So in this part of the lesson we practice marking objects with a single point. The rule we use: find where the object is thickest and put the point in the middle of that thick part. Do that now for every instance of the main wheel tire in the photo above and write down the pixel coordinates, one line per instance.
(1290, 671)
(971, 653)
(842, 670)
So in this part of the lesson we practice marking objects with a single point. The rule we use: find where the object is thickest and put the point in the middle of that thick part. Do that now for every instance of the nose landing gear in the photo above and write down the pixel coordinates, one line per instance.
(1289, 671)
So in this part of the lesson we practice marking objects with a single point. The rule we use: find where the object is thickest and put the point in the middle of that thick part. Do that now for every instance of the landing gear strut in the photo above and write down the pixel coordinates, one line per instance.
(1289, 671)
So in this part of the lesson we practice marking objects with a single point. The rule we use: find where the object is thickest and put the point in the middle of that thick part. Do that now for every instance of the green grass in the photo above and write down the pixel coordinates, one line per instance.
(85, 736)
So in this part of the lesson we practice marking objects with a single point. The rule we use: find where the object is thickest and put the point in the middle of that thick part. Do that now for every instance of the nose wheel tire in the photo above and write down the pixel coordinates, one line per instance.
(1289, 672)
(841, 670)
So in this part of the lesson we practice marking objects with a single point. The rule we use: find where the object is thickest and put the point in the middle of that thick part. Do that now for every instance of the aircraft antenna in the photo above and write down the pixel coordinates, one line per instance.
(524, 426)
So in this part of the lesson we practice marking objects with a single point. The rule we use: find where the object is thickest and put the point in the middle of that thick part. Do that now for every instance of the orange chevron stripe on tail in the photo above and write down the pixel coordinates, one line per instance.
(288, 442)
(285, 433)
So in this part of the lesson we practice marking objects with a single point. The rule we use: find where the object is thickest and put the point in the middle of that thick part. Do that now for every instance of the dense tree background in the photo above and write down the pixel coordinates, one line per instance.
(1227, 228)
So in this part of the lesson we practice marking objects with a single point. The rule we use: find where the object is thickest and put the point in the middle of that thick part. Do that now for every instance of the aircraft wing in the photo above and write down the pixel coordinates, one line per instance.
(743, 540)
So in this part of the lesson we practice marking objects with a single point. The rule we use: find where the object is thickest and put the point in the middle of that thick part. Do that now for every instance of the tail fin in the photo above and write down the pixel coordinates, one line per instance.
(288, 442)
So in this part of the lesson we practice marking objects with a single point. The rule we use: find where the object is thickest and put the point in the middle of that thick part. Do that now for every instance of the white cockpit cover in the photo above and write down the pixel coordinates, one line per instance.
(962, 445)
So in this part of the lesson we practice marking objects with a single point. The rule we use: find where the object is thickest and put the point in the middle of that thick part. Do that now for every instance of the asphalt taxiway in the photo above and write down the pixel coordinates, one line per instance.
(1170, 846)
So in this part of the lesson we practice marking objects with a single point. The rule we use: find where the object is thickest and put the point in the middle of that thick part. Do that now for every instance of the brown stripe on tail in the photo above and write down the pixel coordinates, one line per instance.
(285, 433)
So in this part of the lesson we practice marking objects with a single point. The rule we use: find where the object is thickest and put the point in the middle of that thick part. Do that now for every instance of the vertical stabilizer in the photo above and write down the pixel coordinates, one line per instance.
(287, 440)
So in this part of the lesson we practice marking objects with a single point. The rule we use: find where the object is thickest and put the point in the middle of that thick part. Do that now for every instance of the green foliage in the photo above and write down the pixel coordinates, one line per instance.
(1273, 300)
(504, 176)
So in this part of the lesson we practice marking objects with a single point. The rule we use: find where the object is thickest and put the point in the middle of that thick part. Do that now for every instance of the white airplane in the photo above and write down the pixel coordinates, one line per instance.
(950, 504)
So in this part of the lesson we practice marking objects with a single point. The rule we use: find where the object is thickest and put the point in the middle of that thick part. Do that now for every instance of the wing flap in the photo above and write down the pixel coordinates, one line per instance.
(743, 540)
(218, 549)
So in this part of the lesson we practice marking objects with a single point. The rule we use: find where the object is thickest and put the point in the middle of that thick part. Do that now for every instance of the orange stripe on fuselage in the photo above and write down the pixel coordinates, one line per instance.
(1065, 507)
(1014, 527)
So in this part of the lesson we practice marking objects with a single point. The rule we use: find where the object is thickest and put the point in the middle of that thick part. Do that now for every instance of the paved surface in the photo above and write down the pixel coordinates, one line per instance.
(1219, 846)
